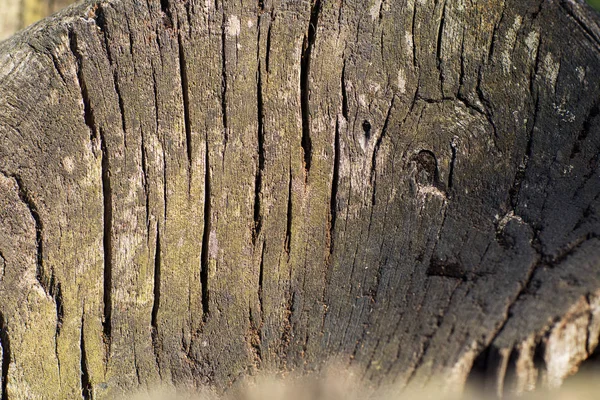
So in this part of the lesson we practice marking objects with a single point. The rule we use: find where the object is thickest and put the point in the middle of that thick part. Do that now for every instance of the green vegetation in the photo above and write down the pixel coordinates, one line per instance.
(594, 3)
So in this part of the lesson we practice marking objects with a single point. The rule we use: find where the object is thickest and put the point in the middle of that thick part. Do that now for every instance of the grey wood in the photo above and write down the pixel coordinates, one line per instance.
(193, 191)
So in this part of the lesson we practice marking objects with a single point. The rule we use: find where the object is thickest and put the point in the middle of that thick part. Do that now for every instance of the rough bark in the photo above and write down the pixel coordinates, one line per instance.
(194, 190)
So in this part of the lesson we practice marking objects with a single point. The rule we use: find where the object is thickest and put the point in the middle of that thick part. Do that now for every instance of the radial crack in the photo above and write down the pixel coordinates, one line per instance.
(569, 8)
(586, 128)
(6, 355)
(156, 302)
(40, 273)
(107, 238)
(412, 33)
(268, 47)
(204, 256)
(100, 20)
(452, 165)
(334, 187)
(186, 107)
(88, 111)
(344, 93)
(377, 146)
(145, 181)
(86, 384)
(102, 24)
(261, 274)
(438, 51)
(224, 83)
(487, 105)
(307, 46)
(260, 139)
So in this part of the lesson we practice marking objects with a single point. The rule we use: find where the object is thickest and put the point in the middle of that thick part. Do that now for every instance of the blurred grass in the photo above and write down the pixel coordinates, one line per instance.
(595, 4)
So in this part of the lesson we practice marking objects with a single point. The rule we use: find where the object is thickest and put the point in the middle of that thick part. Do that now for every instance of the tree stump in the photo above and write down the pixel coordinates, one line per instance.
(195, 190)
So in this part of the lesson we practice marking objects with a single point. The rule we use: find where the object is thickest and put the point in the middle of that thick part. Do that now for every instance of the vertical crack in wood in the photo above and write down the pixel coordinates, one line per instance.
(586, 128)
(481, 365)
(186, 107)
(307, 46)
(344, 93)
(41, 274)
(261, 274)
(157, 129)
(88, 112)
(6, 355)
(224, 83)
(95, 133)
(373, 174)
(461, 77)
(164, 7)
(572, 12)
(48, 283)
(165, 190)
(333, 208)
(452, 165)
(145, 181)
(485, 102)
(495, 35)
(130, 35)
(56, 292)
(256, 340)
(382, 48)
(86, 384)
(156, 301)
(438, 50)
(334, 188)
(100, 20)
(204, 255)
(515, 189)
(260, 139)
(102, 24)
(412, 32)
(549, 260)
(268, 46)
(288, 229)
(107, 239)
(136, 367)
(56, 353)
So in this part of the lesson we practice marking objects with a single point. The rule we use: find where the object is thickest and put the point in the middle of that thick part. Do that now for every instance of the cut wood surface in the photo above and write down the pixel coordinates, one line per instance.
(191, 191)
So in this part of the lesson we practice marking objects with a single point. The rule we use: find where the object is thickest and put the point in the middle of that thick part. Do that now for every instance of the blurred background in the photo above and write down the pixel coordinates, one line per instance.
(17, 14)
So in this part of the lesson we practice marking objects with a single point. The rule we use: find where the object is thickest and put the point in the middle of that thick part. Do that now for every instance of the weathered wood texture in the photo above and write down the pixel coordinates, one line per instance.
(192, 190)
(17, 14)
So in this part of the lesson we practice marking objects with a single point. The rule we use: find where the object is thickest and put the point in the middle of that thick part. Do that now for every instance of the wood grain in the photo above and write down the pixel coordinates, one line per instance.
(194, 190)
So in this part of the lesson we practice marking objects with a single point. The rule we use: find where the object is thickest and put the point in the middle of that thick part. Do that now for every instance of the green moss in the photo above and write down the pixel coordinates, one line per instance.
(594, 3)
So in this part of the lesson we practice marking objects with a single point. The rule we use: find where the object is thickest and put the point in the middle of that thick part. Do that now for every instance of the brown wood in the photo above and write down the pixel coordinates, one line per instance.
(195, 190)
